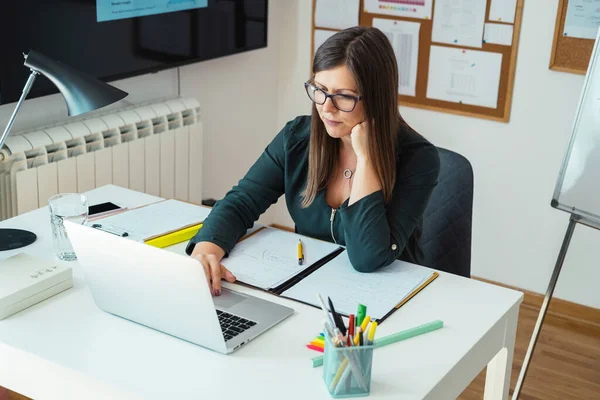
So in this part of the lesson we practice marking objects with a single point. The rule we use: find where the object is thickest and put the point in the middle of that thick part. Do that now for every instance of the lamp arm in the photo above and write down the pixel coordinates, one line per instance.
(11, 121)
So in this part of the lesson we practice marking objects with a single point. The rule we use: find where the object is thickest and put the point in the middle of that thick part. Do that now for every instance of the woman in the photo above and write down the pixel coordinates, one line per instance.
(353, 173)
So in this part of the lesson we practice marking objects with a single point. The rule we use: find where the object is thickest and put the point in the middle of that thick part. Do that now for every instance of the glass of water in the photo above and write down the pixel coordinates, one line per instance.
(70, 206)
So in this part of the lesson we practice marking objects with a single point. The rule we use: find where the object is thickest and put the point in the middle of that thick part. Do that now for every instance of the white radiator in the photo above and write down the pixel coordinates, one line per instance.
(155, 148)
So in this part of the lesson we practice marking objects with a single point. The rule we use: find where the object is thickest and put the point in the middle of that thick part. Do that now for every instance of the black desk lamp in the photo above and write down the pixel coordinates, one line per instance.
(82, 93)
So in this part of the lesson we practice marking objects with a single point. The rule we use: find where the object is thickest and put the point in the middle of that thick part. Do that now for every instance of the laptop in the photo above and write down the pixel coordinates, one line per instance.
(168, 292)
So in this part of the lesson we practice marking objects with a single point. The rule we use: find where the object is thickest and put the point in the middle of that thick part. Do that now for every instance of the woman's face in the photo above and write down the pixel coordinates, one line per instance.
(338, 81)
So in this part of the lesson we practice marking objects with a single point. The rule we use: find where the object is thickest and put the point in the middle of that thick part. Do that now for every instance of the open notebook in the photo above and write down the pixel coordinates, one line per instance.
(268, 260)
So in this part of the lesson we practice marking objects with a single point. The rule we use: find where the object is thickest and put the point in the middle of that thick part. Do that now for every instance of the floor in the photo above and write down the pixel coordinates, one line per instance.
(565, 365)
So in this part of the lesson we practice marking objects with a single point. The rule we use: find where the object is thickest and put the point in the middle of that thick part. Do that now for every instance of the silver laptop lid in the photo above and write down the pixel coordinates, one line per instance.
(153, 287)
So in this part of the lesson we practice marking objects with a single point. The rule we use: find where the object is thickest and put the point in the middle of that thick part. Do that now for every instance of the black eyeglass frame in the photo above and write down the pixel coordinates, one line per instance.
(356, 99)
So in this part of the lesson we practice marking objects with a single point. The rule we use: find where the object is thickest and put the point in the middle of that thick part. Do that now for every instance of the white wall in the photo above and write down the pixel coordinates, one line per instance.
(516, 234)
(247, 98)
(239, 101)
(238, 95)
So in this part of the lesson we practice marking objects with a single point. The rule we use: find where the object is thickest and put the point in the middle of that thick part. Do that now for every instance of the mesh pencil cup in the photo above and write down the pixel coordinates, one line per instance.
(347, 370)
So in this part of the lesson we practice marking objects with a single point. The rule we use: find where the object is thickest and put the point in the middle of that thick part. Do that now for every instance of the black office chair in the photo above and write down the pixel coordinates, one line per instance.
(446, 236)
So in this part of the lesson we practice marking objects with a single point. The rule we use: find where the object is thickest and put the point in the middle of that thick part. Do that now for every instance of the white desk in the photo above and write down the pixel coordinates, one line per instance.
(65, 347)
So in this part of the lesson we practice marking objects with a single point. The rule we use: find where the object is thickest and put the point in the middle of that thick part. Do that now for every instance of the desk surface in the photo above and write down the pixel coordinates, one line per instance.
(65, 347)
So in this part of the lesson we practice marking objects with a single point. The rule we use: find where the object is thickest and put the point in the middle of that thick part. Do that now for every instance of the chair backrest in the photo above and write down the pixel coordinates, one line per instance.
(446, 236)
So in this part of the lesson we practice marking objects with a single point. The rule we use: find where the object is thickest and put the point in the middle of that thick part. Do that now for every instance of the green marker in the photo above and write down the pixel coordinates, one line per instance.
(395, 337)
(360, 314)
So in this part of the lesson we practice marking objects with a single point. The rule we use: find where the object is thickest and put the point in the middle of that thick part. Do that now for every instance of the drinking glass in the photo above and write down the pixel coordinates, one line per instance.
(72, 207)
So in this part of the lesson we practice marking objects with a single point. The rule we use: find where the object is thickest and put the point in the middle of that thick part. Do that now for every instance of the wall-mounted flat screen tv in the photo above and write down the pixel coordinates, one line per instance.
(123, 38)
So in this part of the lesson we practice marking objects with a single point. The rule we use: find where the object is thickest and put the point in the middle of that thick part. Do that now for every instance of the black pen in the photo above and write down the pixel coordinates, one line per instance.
(337, 318)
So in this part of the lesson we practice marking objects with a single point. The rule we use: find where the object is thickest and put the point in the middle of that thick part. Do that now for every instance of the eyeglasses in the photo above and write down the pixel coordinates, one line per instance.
(343, 102)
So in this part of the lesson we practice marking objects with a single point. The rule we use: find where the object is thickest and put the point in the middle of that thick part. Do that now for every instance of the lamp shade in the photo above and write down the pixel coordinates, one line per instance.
(82, 92)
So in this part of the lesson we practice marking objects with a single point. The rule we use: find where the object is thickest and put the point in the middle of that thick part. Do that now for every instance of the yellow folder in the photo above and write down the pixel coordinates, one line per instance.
(172, 238)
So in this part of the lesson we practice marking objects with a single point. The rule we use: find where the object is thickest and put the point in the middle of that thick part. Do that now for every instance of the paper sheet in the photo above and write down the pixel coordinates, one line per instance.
(583, 19)
(459, 22)
(380, 291)
(503, 11)
(464, 76)
(336, 14)
(269, 257)
(321, 35)
(400, 8)
(155, 219)
(404, 37)
(498, 34)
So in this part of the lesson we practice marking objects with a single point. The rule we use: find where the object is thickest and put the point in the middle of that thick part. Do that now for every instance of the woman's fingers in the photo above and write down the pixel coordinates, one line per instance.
(226, 274)
(215, 275)
(212, 270)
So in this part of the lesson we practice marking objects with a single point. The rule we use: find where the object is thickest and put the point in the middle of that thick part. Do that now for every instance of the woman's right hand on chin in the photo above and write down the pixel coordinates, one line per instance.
(210, 256)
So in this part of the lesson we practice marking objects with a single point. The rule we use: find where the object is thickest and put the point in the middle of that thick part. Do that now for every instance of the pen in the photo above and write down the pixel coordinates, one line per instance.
(328, 317)
(300, 253)
(372, 333)
(114, 231)
(350, 329)
(361, 330)
(365, 322)
(336, 318)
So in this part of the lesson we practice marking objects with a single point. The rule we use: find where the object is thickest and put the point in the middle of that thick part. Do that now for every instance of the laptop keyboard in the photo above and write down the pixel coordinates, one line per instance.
(231, 325)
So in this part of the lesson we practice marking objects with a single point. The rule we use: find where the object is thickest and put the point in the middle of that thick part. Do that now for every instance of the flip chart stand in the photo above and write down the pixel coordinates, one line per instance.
(575, 219)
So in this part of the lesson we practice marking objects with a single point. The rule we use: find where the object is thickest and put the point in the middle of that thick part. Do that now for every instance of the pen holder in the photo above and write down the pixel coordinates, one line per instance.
(347, 370)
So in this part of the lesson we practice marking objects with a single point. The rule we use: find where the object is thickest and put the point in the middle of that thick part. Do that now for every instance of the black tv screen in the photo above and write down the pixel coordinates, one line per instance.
(69, 31)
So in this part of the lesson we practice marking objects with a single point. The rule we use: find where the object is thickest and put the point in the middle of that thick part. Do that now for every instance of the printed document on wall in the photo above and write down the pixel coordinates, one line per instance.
(464, 76)
(503, 11)
(404, 37)
(583, 19)
(400, 8)
(459, 22)
(336, 14)
(321, 35)
(498, 34)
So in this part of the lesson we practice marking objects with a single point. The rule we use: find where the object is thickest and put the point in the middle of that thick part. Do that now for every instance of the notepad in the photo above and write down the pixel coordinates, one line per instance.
(156, 219)
(269, 258)
(381, 291)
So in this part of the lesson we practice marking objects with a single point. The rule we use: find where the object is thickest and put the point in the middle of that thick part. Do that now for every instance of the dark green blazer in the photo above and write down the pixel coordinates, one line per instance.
(374, 233)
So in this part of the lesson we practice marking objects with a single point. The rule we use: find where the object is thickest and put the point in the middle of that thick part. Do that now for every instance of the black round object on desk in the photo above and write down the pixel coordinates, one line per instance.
(11, 239)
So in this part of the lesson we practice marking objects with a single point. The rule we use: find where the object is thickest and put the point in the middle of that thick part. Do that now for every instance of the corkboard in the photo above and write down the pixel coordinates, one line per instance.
(507, 73)
(569, 54)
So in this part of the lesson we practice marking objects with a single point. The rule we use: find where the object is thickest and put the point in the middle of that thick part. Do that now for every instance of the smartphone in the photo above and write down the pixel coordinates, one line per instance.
(102, 208)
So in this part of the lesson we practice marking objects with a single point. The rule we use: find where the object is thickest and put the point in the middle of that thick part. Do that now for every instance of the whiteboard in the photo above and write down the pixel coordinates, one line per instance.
(577, 188)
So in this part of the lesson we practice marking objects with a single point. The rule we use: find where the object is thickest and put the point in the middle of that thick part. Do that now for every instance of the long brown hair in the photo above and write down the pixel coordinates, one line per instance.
(369, 56)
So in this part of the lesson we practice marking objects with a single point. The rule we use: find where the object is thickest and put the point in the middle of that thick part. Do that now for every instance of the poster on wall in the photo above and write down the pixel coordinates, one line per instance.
(459, 22)
(400, 8)
(464, 76)
(404, 37)
(583, 19)
(110, 10)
